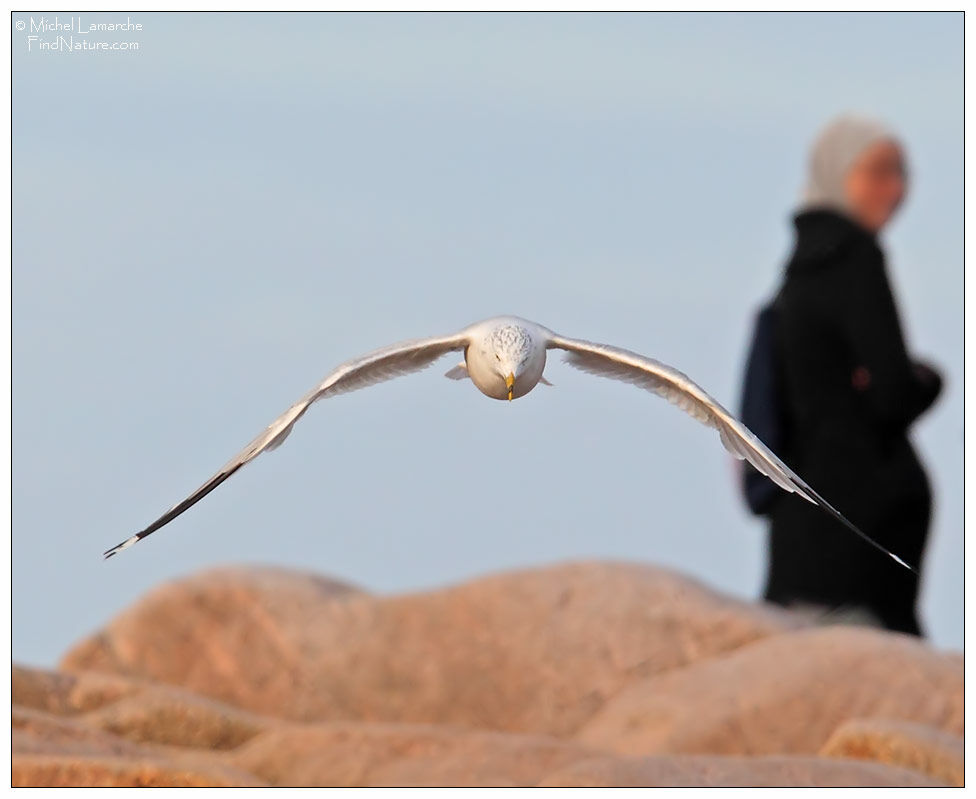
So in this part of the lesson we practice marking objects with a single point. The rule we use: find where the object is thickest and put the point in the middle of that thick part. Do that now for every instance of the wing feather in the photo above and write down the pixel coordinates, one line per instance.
(372, 368)
(679, 389)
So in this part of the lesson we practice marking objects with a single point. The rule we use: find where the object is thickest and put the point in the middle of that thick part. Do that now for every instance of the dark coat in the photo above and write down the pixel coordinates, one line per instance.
(850, 394)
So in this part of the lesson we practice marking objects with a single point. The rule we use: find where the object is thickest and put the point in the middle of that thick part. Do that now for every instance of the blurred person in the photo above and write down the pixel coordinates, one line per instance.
(829, 382)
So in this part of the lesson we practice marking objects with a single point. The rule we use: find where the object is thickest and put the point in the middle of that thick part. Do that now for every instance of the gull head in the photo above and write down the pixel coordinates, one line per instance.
(507, 361)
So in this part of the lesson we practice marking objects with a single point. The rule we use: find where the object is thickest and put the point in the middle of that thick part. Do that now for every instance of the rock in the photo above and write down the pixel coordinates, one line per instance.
(130, 708)
(177, 719)
(357, 754)
(53, 750)
(65, 694)
(349, 754)
(926, 749)
(593, 674)
(225, 628)
(36, 732)
(533, 651)
(704, 771)
(784, 694)
(103, 732)
(151, 734)
(105, 772)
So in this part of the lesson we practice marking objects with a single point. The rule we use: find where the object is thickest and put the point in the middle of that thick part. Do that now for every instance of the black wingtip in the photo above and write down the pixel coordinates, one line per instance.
(878, 546)
(826, 506)
(119, 547)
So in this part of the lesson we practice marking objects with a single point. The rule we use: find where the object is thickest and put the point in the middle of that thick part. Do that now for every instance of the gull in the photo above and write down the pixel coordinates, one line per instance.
(505, 357)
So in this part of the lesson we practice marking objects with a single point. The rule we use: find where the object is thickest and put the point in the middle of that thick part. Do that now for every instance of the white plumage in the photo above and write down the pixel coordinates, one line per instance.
(505, 357)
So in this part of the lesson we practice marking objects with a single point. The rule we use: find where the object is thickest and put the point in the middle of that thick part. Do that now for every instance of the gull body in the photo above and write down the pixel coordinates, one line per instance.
(505, 358)
(504, 353)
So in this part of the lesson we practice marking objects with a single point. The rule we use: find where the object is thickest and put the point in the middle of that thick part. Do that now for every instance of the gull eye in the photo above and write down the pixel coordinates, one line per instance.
(498, 357)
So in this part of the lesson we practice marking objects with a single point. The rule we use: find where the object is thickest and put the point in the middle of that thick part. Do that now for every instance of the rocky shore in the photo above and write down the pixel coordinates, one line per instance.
(580, 674)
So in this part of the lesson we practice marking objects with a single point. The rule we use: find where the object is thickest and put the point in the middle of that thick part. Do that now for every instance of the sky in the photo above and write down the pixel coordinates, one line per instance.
(205, 225)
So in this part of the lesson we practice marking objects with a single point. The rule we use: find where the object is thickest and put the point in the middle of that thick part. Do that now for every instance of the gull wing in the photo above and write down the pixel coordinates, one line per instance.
(374, 367)
(679, 389)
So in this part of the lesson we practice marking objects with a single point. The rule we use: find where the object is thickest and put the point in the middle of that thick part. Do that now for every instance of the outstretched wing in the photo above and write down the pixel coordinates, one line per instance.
(375, 367)
(678, 388)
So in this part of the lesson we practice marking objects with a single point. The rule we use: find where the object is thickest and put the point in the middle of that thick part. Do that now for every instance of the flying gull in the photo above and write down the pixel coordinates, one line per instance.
(505, 357)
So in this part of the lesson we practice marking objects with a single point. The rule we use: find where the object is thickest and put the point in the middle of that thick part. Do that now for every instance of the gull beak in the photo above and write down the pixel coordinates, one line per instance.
(510, 384)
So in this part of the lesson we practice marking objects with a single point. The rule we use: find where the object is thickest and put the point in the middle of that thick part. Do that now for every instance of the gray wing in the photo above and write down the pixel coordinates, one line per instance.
(679, 389)
(375, 367)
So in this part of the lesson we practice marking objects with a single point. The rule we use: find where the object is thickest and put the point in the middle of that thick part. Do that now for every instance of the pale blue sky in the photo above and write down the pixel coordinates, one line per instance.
(204, 227)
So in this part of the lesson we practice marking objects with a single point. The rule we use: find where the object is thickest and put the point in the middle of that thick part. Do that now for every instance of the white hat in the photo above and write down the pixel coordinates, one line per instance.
(834, 152)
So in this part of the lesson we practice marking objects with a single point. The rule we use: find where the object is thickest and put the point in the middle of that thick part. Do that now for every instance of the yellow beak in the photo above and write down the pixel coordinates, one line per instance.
(510, 383)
